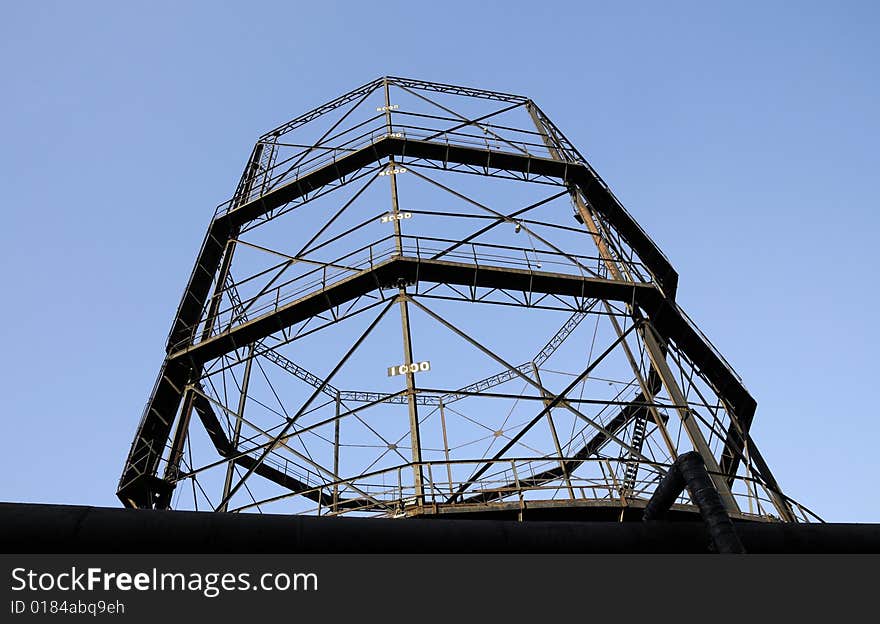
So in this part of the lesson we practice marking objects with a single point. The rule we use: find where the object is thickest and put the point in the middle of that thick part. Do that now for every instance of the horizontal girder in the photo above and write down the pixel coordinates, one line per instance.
(388, 274)
(663, 314)
(569, 173)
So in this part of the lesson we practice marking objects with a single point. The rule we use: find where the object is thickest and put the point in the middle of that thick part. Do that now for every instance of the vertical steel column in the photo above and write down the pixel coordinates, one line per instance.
(415, 437)
(445, 444)
(336, 454)
(547, 400)
(236, 431)
(644, 386)
(173, 467)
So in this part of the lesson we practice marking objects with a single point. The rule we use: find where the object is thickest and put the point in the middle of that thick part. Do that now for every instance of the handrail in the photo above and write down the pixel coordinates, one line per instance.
(326, 152)
(396, 492)
(370, 255)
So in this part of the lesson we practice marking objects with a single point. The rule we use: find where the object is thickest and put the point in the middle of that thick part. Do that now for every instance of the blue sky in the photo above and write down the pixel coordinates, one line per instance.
(742, 138)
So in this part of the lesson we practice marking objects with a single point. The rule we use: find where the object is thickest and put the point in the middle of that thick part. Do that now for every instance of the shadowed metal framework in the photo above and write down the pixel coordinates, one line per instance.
(422, 300)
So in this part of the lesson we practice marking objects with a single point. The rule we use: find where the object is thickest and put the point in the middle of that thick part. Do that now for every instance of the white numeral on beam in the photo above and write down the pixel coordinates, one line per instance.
(382, 109)
(403, 369)
(396, 216)
(393, 171)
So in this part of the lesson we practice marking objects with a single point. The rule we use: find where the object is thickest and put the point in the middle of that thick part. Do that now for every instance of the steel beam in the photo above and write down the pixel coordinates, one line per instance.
(576, 173)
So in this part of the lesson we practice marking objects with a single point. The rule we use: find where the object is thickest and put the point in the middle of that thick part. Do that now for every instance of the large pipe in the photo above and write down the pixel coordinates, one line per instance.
(689, 471)
(32, 528)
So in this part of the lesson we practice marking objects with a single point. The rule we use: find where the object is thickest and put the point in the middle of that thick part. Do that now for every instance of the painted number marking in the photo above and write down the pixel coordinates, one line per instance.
(392, 217)
(393, 171)
(403, 369)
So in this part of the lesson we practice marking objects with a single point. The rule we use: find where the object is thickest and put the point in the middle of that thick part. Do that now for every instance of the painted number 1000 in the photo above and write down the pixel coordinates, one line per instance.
(403, 369)
(396, 216)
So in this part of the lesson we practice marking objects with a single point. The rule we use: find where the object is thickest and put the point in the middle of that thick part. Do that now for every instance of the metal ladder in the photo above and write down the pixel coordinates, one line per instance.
(632, 465)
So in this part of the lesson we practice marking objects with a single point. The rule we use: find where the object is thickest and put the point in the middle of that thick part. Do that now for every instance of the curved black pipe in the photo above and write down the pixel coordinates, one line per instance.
(689, 471)
(664, 496)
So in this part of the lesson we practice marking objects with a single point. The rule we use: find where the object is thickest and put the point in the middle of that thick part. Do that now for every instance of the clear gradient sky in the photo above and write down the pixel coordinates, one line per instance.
(744, 139)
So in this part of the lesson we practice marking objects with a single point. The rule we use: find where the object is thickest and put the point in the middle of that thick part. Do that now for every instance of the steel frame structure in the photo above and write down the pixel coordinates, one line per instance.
(604, 448)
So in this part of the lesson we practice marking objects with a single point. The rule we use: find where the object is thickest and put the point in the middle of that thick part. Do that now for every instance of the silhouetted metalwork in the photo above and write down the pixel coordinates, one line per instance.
(422, 300)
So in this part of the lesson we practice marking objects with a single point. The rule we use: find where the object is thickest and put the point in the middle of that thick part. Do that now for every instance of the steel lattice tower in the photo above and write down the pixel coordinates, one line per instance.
(422, 300)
